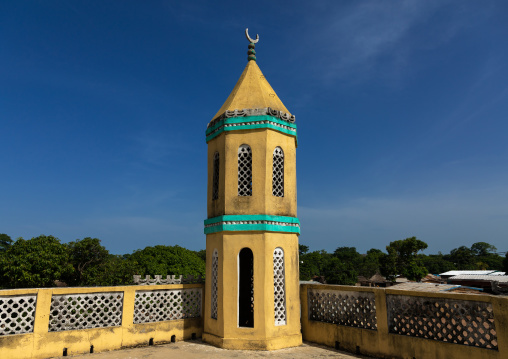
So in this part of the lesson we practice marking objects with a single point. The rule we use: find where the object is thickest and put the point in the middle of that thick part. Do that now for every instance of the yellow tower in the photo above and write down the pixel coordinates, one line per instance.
(252, 298)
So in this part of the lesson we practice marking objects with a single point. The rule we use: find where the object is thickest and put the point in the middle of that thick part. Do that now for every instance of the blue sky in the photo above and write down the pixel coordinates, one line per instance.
(401, 107)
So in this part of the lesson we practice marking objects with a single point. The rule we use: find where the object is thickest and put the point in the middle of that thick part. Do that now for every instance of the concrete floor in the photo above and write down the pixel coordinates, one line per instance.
(197, 349)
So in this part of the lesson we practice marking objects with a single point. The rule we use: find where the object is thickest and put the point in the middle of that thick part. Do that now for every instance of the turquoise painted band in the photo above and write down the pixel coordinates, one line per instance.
(246, 123)
(260, 222)
(249, 119)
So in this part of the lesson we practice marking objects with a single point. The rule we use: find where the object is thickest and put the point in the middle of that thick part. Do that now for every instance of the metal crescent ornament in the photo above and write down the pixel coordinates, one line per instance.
(248, 37)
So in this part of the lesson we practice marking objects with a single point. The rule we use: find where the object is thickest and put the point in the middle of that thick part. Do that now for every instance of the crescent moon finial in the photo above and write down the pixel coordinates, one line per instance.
(249, 38)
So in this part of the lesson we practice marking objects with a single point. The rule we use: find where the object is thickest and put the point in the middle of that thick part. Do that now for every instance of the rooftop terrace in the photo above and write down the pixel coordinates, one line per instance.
(196, 349)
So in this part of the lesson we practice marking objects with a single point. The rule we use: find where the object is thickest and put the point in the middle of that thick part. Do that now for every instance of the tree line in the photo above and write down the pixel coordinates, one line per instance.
(402, 258)
(43, 261)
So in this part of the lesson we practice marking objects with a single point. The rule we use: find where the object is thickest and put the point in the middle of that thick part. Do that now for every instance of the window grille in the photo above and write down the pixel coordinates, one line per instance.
(278, 172)
(215, 269)
(279, 287)
(244, 171)
(17, 314)
(84, 311)
(215, 187)
(152, 306)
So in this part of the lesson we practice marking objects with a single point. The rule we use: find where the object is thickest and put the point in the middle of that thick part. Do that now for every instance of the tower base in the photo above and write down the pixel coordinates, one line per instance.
(282, 342)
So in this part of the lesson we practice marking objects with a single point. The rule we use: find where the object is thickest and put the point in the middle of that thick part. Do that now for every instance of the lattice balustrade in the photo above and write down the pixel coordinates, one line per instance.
(82, 311)
(279, 287)
(244, 171)
(162, 305)
(215, 270)
(353, 309)
(460, 322)
(278, 172)
(17, 314)
(215, 182)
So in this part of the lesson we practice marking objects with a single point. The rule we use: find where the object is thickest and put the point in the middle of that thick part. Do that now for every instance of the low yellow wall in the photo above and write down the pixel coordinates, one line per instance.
(43, 344)
(382, 344)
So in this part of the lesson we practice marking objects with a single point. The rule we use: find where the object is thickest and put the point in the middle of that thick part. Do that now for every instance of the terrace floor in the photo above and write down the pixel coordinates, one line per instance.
(197, 349)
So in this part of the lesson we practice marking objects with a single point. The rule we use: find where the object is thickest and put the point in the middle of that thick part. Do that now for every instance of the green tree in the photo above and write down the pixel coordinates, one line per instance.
(302, 249)
(403, 259)
(371, 263)
(84, 255)
(202, 254)
(168, 260)
(37, 262)
(313, 264)
(338, 272)
(505, 263)
(463, 258)
(115, 270)
(437, 263)
(348, 256)
(5, 242)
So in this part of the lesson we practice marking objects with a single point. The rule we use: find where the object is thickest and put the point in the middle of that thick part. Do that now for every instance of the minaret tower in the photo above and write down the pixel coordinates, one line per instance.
(252, 296)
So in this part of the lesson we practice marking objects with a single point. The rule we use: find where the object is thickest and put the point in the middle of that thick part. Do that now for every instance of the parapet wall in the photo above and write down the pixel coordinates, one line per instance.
(390, 323)
(42, 323)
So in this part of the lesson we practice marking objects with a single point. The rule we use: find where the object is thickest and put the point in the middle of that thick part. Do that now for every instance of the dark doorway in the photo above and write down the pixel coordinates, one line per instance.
(246, 289)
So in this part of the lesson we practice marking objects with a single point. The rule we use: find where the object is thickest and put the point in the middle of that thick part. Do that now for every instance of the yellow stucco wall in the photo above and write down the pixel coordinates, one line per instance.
(382, 344)
(262, 143)
(265, 335)
(44, 344)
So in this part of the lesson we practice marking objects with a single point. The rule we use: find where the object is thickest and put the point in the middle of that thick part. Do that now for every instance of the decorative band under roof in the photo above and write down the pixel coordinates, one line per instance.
(249, 123)
(252, 223)
(254, 112)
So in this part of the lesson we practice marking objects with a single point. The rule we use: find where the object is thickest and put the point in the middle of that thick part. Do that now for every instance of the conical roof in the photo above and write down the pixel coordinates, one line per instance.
(252, 91)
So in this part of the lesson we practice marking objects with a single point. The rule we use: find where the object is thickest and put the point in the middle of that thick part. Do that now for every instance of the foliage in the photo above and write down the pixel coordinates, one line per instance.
(437, 263)
(403, 259)
(505, 263)
(114, 270)
(327, 266)
(85, 256)
(202, 254)
(302, 249)
(371, 263)
(37, 262)
(5, 242)
(168, 260)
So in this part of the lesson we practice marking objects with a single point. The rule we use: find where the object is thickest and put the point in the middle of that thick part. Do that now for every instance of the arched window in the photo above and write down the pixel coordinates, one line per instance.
(244, 171)
(279, 287)
(215, 269)
(216, 167)
(246, 288)
(278, 172)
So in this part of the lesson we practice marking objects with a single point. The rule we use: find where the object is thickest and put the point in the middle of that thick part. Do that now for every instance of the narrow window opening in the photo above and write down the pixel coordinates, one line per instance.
(246, 289)
(91, 349)
(216, 168)
(215, 269)
(279, 287)
(64, 352)
(173, 338)
(244, 171)
(193, 336)
(278, 172)
(150, 342)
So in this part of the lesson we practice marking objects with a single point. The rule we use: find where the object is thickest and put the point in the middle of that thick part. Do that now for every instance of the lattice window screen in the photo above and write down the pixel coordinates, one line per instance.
(216, 167)
(215, 269)
(244, 171)
(353, 309)
(454, 321)
(17, 314)
(279, 287)
(162, 305)
(88, 310)
(278, 172)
